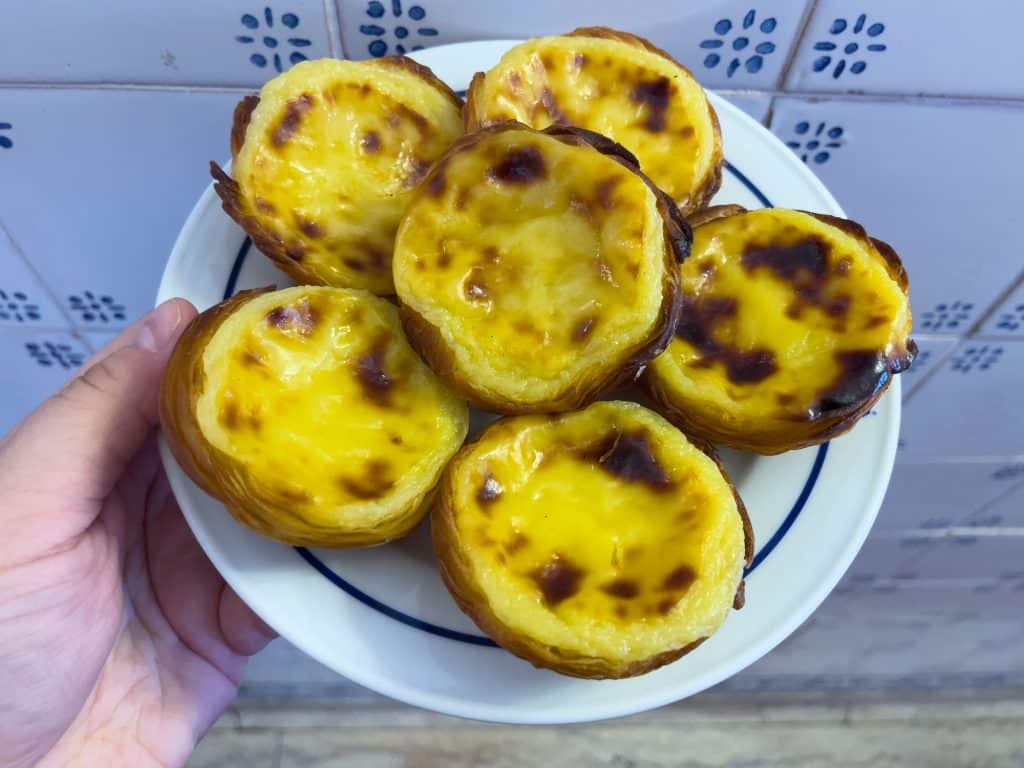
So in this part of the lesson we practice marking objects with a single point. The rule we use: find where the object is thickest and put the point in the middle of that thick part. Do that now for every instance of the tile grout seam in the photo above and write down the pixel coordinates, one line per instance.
(336, 19)
(798, 39)
(69, 323)
(848, 97)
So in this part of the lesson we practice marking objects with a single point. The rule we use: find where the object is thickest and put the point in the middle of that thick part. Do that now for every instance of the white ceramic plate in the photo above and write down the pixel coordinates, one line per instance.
(382, 617)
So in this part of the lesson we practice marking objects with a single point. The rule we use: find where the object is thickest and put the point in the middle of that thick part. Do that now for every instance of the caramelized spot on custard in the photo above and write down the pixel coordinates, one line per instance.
(628, 456)
(680, 579)
(297, 497)
(583, 328)
(862, 373)
(518, 541)
(375, 381)
(547, 99)
(292, 118)
(229, 416)
(414, 117)
(301, 318)
(310, 228)
(654, 94)
(605, 189)
(625, 589)
(697, 321)
(375, 481)
(370, 142)
(519, 166)
(250, 359)
(558, 580)
(263, 205)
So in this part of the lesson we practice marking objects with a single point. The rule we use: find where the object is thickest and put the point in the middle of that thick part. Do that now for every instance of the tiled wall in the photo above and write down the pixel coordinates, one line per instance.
(911, 114)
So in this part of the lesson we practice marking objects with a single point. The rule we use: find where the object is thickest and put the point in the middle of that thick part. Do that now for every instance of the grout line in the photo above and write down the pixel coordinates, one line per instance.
(69, 322)
(974, 333)
(82, 85)
(933, 99)
(1012, 458)
(798, 39)
(328, 7)
(278, 755)
(975, 329)
(938, 365)
(334, 25)
(954, 531)
(769, 116)
(1013, 489)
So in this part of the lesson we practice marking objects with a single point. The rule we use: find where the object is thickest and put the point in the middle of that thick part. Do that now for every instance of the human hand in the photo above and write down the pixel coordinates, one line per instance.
(120, 644)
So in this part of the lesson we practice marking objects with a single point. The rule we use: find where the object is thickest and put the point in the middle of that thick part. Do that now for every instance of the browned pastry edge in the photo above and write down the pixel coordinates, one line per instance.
(457, 574)
(428, 341)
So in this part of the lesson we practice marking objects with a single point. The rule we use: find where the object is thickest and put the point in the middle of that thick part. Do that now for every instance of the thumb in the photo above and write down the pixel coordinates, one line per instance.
(76, 445)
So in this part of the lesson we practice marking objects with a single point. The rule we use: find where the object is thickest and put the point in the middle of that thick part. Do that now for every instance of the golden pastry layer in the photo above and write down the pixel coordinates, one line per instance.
(325, 160)
(598, 543)
(792, 326)
(536, 270)
(618, 85)
(308, 415)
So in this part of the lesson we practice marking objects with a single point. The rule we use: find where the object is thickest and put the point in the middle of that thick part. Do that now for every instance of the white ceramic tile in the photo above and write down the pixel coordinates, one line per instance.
(940, 495)
(1008, 318)
(890, 166)
(754, 104)
(34, 364)
(913, 46)
(971, 407)
(707, 37)
(931, 351)
(228, 42)
(882, 557)
(1008, 510)
(971, 557)
(98, 183)
(907, 632)
(23, 299)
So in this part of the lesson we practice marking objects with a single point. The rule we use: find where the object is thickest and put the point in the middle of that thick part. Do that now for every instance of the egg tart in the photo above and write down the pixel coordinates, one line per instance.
(793, 325)
(324, 162)
(618, 85)
(308, 415)
(599, 543)
(537, 269)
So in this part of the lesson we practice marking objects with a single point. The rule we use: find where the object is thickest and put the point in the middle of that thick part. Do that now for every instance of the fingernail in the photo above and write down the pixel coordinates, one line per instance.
(160, 327)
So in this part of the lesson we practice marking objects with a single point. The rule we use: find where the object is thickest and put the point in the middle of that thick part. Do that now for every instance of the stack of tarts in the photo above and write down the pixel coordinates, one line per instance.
(526, 253)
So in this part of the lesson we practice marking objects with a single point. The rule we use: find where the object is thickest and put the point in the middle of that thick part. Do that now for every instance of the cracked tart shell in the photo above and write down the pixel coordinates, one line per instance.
(324, 162)
(537, 269)
(618, 85)
(307, 414)
(600, 543)
(793, 325)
